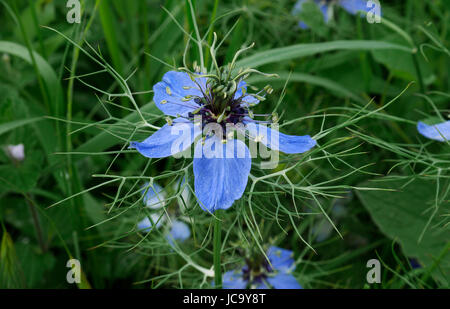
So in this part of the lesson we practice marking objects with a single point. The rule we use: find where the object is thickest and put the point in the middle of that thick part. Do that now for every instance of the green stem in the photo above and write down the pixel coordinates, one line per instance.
(419, 73)
(42, 86)
(217, 252)
(37, 225)
(409, 39)
(210, 34)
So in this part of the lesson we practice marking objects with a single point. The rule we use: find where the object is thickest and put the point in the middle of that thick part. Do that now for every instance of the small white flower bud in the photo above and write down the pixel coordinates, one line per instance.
(16, 152)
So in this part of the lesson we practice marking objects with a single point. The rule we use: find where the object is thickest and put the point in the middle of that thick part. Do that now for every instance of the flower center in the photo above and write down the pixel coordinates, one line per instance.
(223, 98)
(256, 270)
(220, 105)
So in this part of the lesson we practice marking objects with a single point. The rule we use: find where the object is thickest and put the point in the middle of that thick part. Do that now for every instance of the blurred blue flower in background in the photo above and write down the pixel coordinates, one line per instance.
(146, 224)
(154, 196)
(439, 132)
(323, 6)
(219, 180)
(326, 7)
(178, 229)
(264, 276)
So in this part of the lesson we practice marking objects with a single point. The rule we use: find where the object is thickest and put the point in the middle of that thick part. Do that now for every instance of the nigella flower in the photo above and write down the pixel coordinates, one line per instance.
(219, 103)
(261, 275)
(326, 7)
(439, 132)
(178, 229)
(154, 198)
(16, 152)
(146, 224)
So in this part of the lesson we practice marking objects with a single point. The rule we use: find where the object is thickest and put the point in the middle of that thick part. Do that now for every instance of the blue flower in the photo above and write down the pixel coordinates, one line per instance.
(439, 132)
(325, 6)
(178, 229)
(277, 276)
(154, 196)
(146, 224)
(221, 163)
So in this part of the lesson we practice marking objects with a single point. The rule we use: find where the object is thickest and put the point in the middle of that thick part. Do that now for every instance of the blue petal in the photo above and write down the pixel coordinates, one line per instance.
(145, 224)
(168, 93)
(284, 281)
(279, 141)
(180, 230)
(354, 6)
(324, 9)
(221, 172)
(233, 280)
(247, 99)
(298, 8)
(439, 132)
(281, 259)
(302, 25)
(169, 140)
(155, 196)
